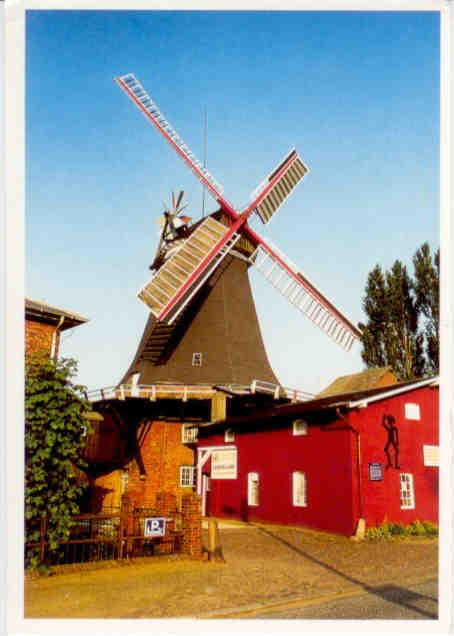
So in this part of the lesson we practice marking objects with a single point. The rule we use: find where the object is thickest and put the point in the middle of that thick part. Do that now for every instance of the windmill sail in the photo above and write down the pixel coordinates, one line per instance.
(184, 272)
(136, 92)
(190, 265)
(278, 186)
(301, 293)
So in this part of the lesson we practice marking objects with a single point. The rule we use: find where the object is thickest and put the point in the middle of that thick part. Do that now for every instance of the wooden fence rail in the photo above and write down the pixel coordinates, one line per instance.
(95, 537)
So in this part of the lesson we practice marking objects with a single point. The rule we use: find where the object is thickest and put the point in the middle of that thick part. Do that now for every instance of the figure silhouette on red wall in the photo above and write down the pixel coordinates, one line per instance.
(392, 445)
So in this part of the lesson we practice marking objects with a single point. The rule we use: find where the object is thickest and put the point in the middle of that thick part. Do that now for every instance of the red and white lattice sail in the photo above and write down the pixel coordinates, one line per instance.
(180, 277)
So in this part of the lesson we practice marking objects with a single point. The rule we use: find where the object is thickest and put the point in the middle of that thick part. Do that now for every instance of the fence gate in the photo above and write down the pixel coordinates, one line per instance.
(119, 533)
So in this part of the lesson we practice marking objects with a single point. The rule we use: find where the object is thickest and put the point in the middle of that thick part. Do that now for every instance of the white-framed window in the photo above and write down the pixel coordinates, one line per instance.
(253, 487)
(189, 433)
(299, 490)
(187, 476)
(299, 427)
(229, 435)
(407, 491)
(412, 411)
(196, 359)
(431, 455)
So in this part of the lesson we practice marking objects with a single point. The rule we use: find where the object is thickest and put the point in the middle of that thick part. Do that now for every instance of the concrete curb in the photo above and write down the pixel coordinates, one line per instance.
(249, 611)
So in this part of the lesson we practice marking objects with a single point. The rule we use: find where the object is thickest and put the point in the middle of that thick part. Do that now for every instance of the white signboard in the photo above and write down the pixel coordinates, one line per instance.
(154, 527)
(431, 456)
(223, 464)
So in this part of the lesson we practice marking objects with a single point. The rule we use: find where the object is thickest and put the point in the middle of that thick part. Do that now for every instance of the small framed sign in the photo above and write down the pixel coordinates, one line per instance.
(154, 527)
(376, 471)
(223, 464)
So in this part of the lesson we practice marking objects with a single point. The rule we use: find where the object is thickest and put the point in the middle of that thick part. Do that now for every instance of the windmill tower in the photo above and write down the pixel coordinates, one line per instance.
(203, 345)
(200, 288)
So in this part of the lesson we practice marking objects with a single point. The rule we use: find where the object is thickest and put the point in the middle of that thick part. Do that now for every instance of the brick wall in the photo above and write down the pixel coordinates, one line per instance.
(191, 508)
(38, 337)
(162, 455)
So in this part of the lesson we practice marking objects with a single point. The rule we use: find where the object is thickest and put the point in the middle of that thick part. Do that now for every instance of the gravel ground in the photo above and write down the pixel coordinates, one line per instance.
(264, 564)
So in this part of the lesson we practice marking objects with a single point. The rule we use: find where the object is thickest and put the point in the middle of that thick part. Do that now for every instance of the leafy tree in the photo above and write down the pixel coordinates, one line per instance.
(373, 334)
(402, 326)
(403, 344)
(55, 429)
(427, 290)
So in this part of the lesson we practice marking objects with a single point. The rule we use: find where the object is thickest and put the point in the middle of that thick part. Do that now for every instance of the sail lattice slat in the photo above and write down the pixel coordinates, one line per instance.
(177, 271)
(278, 187)
(304, 297)
(136, 92)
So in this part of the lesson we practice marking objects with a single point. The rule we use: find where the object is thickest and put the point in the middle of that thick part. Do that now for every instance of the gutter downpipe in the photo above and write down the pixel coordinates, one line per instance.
(346, 419)
(56, 339)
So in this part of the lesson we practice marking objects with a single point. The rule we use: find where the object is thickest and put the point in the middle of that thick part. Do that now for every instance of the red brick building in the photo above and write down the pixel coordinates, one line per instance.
(43, 326)
(327, 463)
(145, 441)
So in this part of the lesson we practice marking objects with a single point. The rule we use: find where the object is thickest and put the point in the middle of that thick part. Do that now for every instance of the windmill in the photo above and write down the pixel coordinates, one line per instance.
(180, 279)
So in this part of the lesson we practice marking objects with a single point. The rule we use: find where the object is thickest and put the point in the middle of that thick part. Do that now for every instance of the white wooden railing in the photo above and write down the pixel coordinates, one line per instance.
(196, 391)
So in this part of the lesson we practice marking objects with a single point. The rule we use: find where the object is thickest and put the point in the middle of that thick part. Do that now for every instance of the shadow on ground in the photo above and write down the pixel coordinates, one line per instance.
(391, 593)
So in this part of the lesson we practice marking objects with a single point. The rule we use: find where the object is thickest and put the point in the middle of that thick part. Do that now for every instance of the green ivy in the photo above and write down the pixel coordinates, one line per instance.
(54, 438)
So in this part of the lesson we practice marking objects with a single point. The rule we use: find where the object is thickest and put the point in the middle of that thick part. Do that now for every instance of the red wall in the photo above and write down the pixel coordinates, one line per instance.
(381, 499)
(323, 454)
(328, 456)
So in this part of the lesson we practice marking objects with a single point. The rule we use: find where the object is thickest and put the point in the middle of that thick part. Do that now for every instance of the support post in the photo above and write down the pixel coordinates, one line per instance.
(124, 547)
(211, 538)
(192, 525)
(214, 542)
(42, 538)
(218, 407)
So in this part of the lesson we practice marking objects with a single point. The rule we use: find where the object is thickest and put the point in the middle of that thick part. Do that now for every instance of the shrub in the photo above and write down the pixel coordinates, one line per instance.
(431, 528)
(55, 424)
(388, 530)
(378, 533)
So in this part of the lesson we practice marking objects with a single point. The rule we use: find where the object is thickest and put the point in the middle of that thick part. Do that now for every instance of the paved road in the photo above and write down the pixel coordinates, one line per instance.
(384, 602)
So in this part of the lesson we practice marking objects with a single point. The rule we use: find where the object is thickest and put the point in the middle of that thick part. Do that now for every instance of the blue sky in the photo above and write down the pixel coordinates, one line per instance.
(356, 93)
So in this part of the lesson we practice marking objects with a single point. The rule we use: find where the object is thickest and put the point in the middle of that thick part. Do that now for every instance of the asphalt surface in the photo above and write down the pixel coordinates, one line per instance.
(384, 602)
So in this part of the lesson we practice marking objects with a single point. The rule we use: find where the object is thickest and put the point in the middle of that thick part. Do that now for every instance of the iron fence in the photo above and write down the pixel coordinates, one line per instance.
(116, 535)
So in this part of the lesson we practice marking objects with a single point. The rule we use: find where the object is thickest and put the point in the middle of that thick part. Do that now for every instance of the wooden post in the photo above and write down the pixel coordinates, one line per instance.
(125, 506)
(214, 542)
(42, 538)
(218, 550)
(218, 407)
(211, 538)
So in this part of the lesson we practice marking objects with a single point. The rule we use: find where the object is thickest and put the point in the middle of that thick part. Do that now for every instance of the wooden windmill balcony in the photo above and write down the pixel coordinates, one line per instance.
(195, 392)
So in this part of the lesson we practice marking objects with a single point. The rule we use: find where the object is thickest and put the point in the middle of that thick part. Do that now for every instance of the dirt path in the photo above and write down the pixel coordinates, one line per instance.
(264, 564)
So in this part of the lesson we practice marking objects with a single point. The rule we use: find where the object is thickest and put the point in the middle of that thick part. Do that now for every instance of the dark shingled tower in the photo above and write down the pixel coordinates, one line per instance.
(220, 324)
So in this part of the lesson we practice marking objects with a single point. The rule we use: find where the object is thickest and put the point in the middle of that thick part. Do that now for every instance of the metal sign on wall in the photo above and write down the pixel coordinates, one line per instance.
(224, 464)
(376, 471)
(154, 527)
